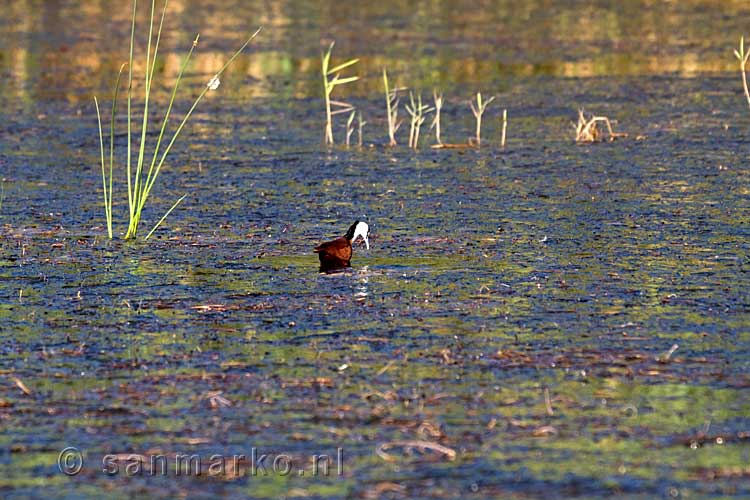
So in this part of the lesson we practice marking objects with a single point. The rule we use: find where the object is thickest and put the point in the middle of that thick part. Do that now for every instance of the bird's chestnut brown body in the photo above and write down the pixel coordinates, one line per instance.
(337, 254)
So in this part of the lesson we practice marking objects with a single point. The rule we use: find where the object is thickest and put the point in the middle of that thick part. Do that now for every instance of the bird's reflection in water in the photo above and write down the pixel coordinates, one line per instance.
(363, 275)
(334, 269)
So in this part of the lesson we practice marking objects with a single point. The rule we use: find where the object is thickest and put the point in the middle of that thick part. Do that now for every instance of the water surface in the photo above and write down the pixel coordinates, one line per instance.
(515, 307)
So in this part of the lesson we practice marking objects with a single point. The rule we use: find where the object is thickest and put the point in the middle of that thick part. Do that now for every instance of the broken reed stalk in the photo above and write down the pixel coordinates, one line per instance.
(505, 128)
(350, 128)
(391, 103)
(361, 124)
(588, 131)
(743, 57)
(438, 98)
(329, 85)
(548, 402)
(478, 111)
(417, 111)
(140, 183)
(664, 357)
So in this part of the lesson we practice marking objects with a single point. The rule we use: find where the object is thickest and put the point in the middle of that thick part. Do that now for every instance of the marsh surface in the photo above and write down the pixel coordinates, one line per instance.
(494, 276)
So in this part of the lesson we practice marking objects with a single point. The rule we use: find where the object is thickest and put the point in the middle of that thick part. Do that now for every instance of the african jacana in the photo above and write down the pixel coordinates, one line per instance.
(337, 254)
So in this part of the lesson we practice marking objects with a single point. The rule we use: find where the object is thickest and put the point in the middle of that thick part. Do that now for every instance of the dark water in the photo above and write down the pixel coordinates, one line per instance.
(495, 277)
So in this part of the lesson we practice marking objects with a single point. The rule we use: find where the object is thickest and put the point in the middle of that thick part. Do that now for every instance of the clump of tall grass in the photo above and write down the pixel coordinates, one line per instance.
(743, 57)
(141, 180)
(478, 111)
(391, 103)
(418, 112)
(331, 79)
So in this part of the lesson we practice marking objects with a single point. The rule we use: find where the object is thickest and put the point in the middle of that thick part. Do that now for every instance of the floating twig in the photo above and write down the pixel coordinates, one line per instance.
(545, 430)
(382, 449)
(387, 367)
(216, 400)
(21, 386)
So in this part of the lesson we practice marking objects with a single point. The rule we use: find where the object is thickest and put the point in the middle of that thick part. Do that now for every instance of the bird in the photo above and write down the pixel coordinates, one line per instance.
(337, 254)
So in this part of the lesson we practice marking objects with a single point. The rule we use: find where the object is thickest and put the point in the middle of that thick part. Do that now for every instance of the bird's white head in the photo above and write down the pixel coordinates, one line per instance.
(359, 228)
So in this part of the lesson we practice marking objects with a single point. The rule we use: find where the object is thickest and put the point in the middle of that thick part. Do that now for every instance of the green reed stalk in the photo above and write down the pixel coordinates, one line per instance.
(210, 86)
(130, 96)
(108, 198)
(141, 182)
(137, 181)
(107, 190)
(156, 226)
(148, 80)
(107, 213)
(150, 176)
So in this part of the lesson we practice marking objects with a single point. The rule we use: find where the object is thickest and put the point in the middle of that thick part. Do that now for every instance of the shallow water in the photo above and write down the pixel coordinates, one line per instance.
(496, 279)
